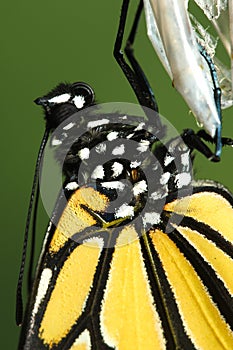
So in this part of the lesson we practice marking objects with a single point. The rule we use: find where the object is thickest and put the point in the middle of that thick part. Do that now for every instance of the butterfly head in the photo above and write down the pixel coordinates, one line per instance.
(65, 100)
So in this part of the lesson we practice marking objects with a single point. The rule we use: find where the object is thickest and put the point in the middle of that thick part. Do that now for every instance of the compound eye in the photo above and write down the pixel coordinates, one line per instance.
(83, 95)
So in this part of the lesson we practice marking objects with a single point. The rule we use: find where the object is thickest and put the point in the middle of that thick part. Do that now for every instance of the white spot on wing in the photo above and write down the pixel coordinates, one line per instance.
(84, 153)
(117, 169)
(83, 339)
(60, 98)
(95, 123)
(119, 150)
(112, 135)
(140, 187)
(94, 242)
(42, 288)
(98, 172)
(79, 101)
(124, 211)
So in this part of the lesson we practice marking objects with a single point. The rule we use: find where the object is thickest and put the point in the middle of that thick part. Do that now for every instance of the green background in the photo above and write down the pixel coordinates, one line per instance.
(43, 43)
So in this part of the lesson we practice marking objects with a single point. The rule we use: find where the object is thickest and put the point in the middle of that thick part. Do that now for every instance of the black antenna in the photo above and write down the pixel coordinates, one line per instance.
(33, 239)
(19, 299)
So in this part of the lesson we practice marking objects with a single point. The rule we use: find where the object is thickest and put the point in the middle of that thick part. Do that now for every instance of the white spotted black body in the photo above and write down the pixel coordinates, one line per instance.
(102, 136)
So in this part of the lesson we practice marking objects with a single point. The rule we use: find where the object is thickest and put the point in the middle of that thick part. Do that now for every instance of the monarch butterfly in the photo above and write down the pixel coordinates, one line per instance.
(136, 255)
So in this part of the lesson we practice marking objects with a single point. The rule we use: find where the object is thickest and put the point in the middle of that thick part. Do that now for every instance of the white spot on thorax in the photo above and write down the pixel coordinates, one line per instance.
(56, 142)
(117, 169)
(176, 143)
(79, 101)
(71, 186)
(140, 187)
(95, 123)
(139, 127)
(98, 172)
(183, 179)
(69, 126)
(60, 98)
(164, 178)
(185, 159)
(101, 148)
(124, 211)
(84, 153)
(135, 164)
(168, 159)
(155, 195)
(151, 218)
(117, 185)
(161, 193)
(112, 135)
(129, 136)
(119, 150)
(143, 145)
(155, 166)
